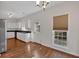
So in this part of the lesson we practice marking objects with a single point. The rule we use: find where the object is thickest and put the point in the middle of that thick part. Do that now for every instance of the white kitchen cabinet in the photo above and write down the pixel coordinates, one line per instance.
(24, 36)
(20, 36)
(10, 34)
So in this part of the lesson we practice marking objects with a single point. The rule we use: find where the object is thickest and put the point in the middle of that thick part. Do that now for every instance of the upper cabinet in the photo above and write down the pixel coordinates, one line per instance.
(60, 22)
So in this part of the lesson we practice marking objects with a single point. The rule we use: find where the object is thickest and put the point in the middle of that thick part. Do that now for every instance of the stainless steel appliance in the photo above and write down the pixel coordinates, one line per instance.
(3, 40)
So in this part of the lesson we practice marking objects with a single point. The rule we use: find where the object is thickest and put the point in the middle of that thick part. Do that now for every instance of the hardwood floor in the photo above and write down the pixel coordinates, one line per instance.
(20, 49)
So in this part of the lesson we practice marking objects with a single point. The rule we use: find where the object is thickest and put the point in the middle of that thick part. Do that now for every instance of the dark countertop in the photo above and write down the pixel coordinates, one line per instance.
(23, 31)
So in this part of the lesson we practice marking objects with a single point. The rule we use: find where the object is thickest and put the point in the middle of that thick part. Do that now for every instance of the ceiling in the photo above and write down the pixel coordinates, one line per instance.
(20, 8)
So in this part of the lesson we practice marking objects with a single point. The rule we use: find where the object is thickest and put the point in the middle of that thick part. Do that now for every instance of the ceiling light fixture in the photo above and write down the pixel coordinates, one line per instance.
(42, 4)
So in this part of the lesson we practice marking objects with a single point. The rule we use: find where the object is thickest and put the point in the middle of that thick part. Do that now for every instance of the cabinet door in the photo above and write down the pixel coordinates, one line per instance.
(10, 34)
(18, 35)
(24, 36)
(21, 36)
(28, 37)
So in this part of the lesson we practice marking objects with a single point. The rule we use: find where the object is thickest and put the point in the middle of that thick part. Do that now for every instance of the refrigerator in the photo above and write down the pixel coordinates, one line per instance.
(3, 40)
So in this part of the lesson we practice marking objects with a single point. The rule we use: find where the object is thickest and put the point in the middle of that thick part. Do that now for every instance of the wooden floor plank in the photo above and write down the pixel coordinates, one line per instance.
(31, 50)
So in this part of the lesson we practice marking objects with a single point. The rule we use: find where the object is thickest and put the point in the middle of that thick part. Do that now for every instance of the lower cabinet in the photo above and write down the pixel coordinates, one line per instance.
(20, 36)
(10, 34)
(24, 36)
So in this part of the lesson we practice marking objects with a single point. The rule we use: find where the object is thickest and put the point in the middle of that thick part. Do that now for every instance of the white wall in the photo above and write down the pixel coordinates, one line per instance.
(46, 19)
